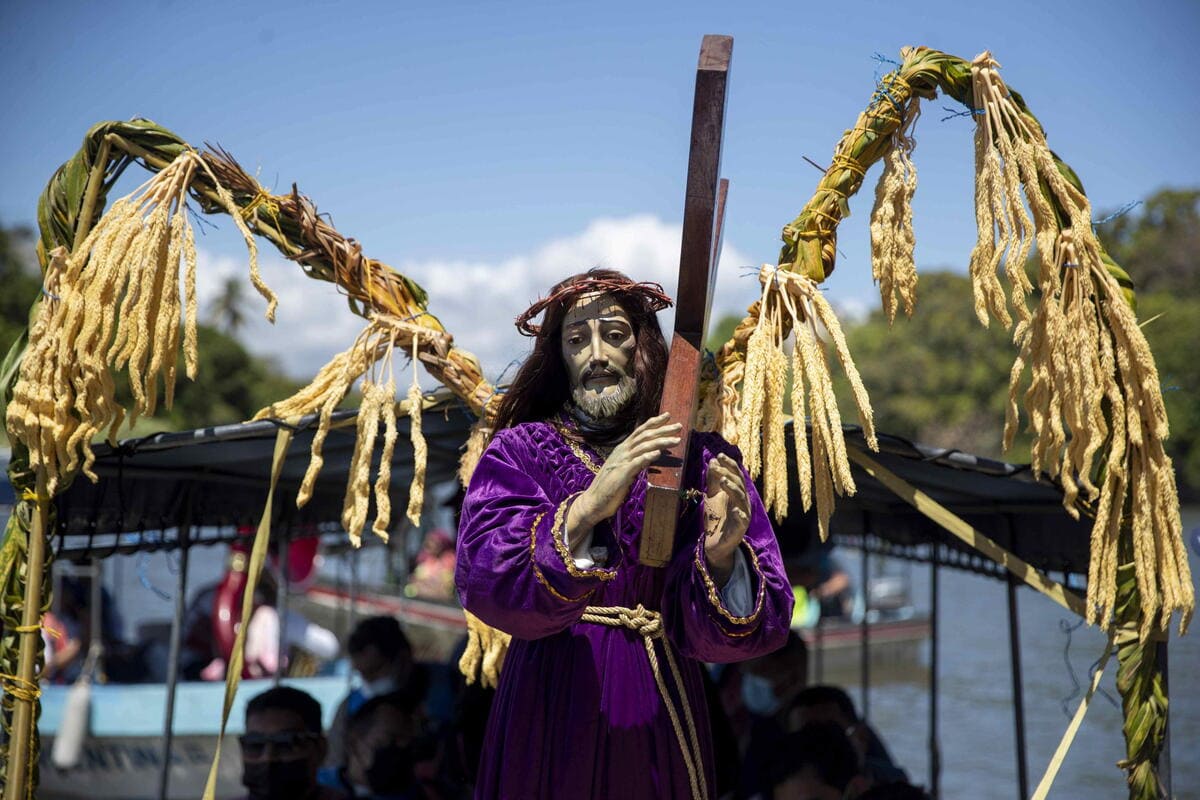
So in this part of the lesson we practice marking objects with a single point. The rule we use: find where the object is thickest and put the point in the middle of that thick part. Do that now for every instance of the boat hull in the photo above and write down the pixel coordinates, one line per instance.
(122, 756)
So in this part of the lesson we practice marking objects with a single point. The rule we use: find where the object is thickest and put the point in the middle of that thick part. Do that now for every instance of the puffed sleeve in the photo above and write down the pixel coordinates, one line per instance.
(514, 570)
(699, 621)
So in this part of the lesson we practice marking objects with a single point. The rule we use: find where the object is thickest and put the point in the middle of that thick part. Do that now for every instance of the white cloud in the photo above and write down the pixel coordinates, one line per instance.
(478, 300)
(475, 300)
(852, 310)
(312, 322)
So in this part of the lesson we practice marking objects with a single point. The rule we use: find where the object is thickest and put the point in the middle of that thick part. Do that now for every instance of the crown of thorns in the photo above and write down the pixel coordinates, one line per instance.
(651, 293)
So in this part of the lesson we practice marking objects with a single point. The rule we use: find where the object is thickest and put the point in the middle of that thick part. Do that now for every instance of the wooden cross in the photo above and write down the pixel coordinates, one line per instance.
(703, 212)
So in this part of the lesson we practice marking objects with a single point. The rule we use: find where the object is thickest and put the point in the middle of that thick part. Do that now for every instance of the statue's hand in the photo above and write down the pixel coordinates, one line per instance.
(726, 515)
(611, 485)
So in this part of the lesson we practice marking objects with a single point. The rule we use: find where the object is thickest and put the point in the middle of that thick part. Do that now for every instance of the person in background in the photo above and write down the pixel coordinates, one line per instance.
(382, 656)
(304, 642)
(283, 746)
(826, 584)
(831, 704)
(433, 575)
(301, 636)
(390, 752)
(771, 682)
(62, 637)
(816, 762)
(68, 634)
(762, 708)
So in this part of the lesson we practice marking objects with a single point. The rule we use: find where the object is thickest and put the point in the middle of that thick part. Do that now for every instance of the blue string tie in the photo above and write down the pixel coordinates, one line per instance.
(1120, 212)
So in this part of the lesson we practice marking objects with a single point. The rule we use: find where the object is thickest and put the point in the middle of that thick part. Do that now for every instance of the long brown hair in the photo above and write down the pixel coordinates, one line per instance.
(542, 386)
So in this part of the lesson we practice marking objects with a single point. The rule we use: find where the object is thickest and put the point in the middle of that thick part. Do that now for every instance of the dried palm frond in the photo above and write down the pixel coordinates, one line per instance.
(481, 434)
(126, 310)
(375, 344)
(1093, 402)
(484, 654)
(1093, 384)
(892, 240)
(416, 492)
(792, 303)
(115, 304)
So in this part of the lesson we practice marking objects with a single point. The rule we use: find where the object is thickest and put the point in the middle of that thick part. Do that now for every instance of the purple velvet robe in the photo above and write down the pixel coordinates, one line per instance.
(578, 713)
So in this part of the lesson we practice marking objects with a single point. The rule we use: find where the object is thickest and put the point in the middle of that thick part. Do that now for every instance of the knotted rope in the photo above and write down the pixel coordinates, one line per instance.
(20, 688)
(648, 624)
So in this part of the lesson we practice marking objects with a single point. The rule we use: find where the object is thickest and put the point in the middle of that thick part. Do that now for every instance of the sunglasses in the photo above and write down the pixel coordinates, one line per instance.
(285, 745)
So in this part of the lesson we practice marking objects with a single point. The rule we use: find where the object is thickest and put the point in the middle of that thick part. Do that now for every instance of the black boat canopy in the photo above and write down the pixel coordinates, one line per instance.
(215, 480)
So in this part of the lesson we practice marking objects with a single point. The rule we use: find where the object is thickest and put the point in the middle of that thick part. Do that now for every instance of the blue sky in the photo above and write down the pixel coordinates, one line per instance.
(487, 149)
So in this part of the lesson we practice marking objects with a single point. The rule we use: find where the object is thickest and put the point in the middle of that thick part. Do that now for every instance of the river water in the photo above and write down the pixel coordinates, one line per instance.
(977, 738)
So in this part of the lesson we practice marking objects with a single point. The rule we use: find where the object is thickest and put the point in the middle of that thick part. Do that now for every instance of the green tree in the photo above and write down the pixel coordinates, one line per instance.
(231, 384)
(1158, 243)
(228, 309)
(939, 378)
(721, 331)
(1173, 323)
(20, 283)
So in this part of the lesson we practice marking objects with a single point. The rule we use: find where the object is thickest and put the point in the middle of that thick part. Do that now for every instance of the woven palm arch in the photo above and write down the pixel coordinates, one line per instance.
(1084, 373)
(112, 301)
(1116, 448)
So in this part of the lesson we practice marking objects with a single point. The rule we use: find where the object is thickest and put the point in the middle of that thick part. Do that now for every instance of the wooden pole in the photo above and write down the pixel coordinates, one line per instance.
(819, 646)
(25, 703)
(282, 589)
(693, 297)
(935, 756)
(865, 628)
(96, 617)
(181, 587)
(1014, 647)
(354, 588)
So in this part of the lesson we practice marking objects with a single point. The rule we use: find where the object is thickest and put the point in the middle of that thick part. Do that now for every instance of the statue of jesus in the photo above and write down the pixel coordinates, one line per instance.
(601, 694)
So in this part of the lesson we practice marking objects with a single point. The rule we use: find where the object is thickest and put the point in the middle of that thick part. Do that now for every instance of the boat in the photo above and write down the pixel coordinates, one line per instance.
(183, 493)
(122, 757)
(221, 471)
(894, 634)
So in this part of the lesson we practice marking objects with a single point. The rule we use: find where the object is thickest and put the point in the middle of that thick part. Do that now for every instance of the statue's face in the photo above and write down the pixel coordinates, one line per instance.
(598, 348)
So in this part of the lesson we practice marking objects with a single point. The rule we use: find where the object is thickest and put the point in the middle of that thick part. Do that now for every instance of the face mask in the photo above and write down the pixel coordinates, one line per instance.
(758, 696)
(278, 780)
(379, 686)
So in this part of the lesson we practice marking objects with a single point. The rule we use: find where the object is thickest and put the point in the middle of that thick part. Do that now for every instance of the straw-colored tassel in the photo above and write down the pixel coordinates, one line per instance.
(483, 657)
(358, 486)
(118, 306)
(477, 442)
(416, 492)
(775, 471)
(892, 240)
(386, 403)
(1093, 383)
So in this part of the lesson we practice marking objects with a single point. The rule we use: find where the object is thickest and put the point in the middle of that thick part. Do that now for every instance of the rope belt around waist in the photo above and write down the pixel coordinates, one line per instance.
(649, 625)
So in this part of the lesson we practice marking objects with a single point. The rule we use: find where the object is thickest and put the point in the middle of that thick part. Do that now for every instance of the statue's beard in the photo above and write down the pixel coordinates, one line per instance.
(609, 401)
